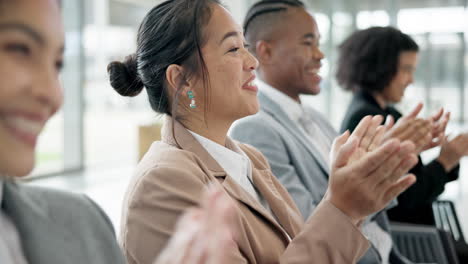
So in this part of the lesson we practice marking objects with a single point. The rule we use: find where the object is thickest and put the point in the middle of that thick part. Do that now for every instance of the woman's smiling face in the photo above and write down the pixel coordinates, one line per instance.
(31, 54)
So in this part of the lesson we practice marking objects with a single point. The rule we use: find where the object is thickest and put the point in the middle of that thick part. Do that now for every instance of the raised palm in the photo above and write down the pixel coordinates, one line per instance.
(369, 135)
(367, 174)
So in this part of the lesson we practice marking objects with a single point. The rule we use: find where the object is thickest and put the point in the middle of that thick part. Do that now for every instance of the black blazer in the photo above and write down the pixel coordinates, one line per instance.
(415, 204)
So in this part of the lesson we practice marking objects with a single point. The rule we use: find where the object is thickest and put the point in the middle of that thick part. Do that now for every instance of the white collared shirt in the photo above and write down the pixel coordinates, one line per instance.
(379, 238)
(10, 244)
(291, 107)
(304, 120)
(236, 164)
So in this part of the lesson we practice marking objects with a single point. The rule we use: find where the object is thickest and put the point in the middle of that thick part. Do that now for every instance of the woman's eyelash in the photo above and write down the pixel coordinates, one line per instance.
(245, 45)
(21, 48)
(59, 65)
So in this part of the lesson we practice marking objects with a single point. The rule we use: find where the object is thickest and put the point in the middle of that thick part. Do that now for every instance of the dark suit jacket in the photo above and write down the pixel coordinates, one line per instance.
(415, 204)
(60, 228)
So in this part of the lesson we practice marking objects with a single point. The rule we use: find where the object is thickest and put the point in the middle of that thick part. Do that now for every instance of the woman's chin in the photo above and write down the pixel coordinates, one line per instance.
(253, 109)
(247, 113)
(397, 100)
(17, 169)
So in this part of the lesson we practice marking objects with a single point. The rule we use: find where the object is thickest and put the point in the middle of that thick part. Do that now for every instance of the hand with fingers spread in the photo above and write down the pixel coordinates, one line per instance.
(453, 150)
(363, 184)
(439, 124)
(367, 142)
(409, 127)
(203, 235)
(417, 130)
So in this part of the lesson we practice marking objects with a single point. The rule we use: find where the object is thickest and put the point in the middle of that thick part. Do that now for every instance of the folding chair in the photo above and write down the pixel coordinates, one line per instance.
(424, 244)
(446, 219)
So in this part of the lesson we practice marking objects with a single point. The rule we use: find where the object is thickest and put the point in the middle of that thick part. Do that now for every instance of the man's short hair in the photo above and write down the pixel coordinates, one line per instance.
(263, 18)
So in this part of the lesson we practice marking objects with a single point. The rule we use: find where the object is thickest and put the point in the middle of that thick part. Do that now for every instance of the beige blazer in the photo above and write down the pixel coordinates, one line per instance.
(172, 176)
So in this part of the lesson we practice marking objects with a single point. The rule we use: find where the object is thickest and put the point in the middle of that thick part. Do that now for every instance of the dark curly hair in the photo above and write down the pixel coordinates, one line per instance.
(368, 59)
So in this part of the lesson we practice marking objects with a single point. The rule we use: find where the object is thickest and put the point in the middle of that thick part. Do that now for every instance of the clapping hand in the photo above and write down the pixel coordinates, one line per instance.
(366, 174)
(203, 235)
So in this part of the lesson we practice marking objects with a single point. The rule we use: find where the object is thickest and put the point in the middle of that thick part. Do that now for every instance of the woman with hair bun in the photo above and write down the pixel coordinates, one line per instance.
(45, 226)
(192, 61)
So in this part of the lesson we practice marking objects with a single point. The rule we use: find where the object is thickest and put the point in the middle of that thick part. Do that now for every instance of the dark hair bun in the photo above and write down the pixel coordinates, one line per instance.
(124, 76)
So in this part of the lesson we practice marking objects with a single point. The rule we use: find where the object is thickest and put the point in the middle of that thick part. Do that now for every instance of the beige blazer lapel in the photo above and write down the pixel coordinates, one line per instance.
(236, 192)
(282, 211)
(178, 135)
(174, 133)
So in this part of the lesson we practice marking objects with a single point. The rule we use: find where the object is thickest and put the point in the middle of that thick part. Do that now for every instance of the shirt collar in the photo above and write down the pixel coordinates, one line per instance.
(292, 108)
(234, 161)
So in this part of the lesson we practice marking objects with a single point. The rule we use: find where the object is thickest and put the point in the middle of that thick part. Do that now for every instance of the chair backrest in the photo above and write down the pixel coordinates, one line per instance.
(449, 246)
(421, 244)
(446, 219)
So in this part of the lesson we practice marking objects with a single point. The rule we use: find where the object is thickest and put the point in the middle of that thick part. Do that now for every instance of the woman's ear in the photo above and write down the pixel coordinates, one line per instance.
(175, 77)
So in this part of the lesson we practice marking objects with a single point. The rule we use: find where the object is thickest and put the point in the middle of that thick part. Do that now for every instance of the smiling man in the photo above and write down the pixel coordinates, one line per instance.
(295, 138)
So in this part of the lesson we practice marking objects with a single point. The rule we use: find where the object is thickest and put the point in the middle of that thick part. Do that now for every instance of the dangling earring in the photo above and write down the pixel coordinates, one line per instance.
(192, 98)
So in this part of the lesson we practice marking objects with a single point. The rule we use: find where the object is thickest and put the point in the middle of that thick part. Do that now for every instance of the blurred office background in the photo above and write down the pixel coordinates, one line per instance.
(91, 146)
